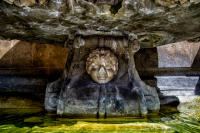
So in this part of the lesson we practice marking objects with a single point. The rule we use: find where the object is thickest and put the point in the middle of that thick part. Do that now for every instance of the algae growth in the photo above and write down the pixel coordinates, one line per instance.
(169, 120)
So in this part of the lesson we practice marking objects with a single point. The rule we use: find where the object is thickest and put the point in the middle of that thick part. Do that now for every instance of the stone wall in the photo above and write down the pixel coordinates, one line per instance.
(23, 55)
(177, 54)
(175, 67)
(181, 55)
(25, 69)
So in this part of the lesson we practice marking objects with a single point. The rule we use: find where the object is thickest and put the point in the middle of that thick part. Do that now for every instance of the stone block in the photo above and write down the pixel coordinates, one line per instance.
(180, 54)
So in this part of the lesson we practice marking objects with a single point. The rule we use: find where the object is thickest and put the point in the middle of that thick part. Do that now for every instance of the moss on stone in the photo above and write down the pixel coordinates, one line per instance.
(191, 110)
(83, 127)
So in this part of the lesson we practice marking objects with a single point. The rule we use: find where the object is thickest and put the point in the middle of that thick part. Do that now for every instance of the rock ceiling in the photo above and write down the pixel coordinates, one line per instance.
(155, 22)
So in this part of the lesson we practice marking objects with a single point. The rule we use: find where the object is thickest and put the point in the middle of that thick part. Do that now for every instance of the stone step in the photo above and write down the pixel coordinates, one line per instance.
(177, 81)
(170, 88)
(178, 93)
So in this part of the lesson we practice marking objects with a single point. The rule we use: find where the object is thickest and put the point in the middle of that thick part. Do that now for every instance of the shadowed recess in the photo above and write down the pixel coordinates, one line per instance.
(115, 8)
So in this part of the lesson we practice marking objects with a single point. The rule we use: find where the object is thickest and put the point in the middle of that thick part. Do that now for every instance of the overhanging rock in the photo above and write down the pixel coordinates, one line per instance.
(56, 21)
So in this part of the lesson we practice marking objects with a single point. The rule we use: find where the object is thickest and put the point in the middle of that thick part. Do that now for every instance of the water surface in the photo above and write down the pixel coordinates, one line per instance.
(169, 120)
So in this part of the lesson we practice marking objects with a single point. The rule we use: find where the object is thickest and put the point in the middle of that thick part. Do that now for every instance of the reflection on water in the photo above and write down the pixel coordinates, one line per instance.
(167, 121)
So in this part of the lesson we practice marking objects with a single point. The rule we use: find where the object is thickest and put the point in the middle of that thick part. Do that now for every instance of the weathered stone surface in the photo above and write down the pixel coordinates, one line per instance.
(27, 2)
(26, 68)
(77, 94)
(180, 54)
(21, 3)
(176, 59)
(25, 56)
(9, 1)
(58, 21)
(174, 3)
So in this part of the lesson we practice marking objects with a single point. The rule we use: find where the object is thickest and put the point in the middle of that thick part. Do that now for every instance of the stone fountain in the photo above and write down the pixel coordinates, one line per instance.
(100, 79)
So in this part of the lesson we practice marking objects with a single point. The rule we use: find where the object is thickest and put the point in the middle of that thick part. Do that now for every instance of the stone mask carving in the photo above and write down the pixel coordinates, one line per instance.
(102, 65)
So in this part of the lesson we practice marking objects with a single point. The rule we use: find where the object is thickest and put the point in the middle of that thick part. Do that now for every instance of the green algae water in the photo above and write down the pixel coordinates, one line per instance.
(169, 120)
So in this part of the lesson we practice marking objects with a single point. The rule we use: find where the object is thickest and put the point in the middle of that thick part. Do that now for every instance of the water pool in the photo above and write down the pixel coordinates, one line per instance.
(184, 120)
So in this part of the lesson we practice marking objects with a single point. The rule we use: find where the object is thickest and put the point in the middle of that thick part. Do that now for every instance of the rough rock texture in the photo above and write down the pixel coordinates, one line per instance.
(56, 21)
(21, 3)
(174, 3)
